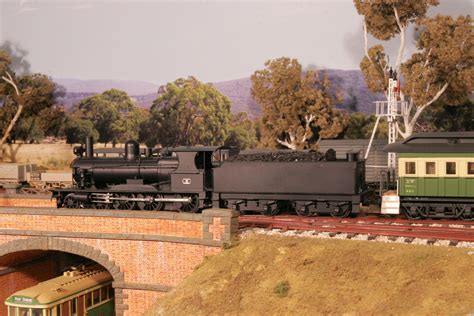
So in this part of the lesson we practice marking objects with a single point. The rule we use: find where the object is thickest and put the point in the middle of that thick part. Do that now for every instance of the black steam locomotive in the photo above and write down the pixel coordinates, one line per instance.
(193, 178)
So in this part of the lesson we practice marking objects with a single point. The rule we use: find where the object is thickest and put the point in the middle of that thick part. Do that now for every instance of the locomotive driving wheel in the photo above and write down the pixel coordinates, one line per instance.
(123, 201)
(101, 206)
(69, 201)
(150, 204)
(190, 207)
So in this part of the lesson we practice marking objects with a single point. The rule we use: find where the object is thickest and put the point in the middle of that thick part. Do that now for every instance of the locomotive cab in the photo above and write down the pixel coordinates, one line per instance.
(195, 170)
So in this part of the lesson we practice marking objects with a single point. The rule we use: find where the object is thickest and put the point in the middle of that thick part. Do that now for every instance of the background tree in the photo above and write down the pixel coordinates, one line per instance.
(21, 98)
(242, 132)
(188, 112)
(297, 108)
(128, 126)
(442, 62)
(52, 120)
(77, 129)
(361, 125)
(445, 118)
(443, 68)
(113, 115)
(39, 97)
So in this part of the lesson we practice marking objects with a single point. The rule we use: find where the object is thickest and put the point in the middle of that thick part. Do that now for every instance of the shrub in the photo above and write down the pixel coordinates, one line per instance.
(282, 288)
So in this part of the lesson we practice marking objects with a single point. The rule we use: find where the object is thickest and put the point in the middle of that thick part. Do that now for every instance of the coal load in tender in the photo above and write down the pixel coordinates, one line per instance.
(280, 156)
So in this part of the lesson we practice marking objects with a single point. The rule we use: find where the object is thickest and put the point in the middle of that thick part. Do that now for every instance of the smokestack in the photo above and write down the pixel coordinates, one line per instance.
(132, 150)
(89, 147)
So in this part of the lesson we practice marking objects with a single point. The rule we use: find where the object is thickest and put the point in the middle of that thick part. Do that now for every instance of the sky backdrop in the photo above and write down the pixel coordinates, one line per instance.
(159, 41)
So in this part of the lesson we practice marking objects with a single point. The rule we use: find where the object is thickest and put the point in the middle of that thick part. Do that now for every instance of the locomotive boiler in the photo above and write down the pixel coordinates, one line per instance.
(89, 171)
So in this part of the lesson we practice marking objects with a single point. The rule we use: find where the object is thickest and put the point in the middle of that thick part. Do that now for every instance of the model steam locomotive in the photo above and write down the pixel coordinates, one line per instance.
(192, 178)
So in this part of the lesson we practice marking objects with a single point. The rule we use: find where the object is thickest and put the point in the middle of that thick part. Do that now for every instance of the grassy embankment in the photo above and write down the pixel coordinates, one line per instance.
(269, 275)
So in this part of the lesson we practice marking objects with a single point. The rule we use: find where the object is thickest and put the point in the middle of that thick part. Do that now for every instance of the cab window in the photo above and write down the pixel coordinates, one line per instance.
(470, 167)
(430, 167)
(410, 167)
(450, 167)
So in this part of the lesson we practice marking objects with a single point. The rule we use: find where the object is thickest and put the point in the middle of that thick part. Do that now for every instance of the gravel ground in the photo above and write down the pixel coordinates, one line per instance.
(324, 235)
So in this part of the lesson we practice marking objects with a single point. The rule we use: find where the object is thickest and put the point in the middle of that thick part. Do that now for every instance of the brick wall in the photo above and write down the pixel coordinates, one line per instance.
(147, 253)
(21, 200)
(139, 300)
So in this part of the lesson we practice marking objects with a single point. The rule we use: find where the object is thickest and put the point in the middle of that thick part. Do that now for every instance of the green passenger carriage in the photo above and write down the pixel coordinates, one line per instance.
(436, 175)
(79, 292)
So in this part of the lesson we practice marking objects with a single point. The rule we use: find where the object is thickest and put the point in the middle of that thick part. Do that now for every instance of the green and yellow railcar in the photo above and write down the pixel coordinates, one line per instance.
(82, 291)
(436, 175)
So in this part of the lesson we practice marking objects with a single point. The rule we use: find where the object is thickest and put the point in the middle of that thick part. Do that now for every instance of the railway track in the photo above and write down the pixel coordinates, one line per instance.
(431, 230)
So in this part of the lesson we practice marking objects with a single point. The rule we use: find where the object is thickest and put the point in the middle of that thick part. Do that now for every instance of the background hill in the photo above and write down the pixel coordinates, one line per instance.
(349, 82)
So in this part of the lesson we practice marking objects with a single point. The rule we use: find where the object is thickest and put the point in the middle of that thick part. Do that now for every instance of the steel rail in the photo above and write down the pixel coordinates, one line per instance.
(401, 228)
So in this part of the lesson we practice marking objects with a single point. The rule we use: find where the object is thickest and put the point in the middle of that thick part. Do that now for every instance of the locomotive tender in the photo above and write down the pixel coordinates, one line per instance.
(193, 178)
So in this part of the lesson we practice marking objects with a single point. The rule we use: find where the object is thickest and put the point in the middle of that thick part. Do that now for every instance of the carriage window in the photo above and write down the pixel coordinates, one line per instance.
(103, 293)
(410, 167)
(96, 296)
(24, 312)
(470, 168)
(110, 289)
(37, 312)
(430, 167)
(65, 309)
(88, 299)
(58, 310)
(450, 168)
(74, 306)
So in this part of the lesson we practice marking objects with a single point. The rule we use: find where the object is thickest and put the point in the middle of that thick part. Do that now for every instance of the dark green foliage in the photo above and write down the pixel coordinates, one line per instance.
(444, 118)
(38, 95)
(242, 133)
(282, 288)
(361, 125)
(113, 116)
(188, 112)
(78, 129)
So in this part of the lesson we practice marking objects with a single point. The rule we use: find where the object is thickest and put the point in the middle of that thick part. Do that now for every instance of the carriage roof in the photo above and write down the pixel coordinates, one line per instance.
(449, 142)
(49, 292)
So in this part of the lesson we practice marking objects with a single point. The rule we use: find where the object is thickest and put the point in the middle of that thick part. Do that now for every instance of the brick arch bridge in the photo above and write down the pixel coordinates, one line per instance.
(147, 253)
